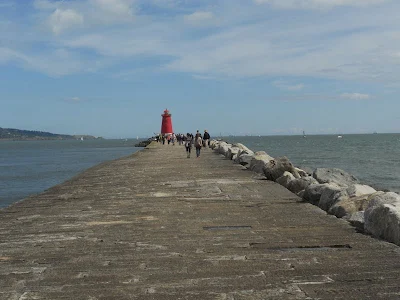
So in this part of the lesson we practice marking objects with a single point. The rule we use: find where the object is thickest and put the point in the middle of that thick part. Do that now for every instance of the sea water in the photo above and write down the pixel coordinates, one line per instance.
(373, 158)
(30, 167)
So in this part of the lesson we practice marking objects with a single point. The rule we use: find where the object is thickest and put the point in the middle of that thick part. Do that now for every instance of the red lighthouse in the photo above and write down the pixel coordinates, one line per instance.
(166, 125)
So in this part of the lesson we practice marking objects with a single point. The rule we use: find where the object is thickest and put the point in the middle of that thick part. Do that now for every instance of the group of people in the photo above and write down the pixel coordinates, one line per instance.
(198, 141)
(188, 140)
(170, 138)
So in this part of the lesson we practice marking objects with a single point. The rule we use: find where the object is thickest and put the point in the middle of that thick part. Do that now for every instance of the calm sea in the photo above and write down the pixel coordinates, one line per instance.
(373, 158)
(30, 167)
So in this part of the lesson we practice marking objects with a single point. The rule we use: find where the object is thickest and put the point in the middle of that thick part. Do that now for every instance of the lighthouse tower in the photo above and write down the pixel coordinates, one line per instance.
(166, 125)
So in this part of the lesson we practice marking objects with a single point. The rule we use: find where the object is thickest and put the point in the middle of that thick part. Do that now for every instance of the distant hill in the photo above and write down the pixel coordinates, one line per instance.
(27, 135)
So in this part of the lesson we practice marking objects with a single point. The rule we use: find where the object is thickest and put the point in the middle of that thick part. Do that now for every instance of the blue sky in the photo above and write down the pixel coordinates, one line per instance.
(110, 67)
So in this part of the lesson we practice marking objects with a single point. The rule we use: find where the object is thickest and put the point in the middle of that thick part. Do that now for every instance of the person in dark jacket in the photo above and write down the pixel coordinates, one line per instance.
(198, 142)
(206, 139)
(188, 144)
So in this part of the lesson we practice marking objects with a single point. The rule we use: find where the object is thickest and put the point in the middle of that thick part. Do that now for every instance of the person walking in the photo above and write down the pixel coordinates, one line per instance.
(173, 139)
(206, 139)
(188, 144)
(198, 142)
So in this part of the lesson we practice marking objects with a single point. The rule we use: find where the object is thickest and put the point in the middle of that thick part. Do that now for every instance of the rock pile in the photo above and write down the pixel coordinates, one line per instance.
(333, 190)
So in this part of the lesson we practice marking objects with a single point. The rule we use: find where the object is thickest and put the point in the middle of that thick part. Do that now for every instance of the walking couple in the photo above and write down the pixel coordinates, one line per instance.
(197, 141)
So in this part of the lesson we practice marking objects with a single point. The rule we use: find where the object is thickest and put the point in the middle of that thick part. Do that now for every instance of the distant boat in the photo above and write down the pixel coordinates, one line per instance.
(339, 136)
(304, 134)
(81, 138)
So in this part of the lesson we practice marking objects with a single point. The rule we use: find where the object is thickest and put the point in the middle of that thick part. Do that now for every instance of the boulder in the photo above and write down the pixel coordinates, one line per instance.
(243, 148)
(302, 173)
(307, 170)
(243, 151)
(244, 159)
(223, 148)
(334, 175)
(356, 190)
(313, 192)
(298, 184)
(351, 205)
(357, 220)
(331, 194)
(300, 194)
(276, 167)
(217, 145)
(213, 144)
(285, 179)
(231, 152)
(259, 161)
(382, 217)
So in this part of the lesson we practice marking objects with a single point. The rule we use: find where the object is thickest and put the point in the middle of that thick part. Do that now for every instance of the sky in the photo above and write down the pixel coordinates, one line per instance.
(234, 67)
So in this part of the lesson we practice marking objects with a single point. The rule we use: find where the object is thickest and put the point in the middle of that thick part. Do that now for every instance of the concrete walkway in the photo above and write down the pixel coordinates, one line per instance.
(156, 225)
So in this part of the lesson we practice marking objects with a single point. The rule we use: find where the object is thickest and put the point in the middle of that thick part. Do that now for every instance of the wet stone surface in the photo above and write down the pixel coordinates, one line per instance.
(157, 225)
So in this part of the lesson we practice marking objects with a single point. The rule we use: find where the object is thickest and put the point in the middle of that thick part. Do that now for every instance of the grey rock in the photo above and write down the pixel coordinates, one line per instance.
(242, 151)
(244, 159)
(299, 184)
(246, 153)
(259, 161)
(243, 148)
(223, 148)
(285, 179)
(313, 193)
(334, 175)
(214, 144)
(356, 190)
(357, 220)
(231, 152)
(276, 167)
(302, 173)
(307, 170)
(382, 217)
(350, 205)
(331, 195)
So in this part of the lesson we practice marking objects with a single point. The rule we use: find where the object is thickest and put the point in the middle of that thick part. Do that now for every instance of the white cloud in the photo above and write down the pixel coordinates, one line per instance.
(69, 14)
(241, 40)
(63, 19)
(285, 86)
(349, 47)
(55, 63)
(7, 55)
(46, 5)
(74, 99)
(204, 77)
(112, 10)
(296, 87)
(199, 16)
(355, 96)
(120, 46)
(317, 4)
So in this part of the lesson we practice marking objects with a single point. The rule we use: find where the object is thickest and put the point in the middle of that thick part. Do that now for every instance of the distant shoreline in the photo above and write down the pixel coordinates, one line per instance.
(49, 139)
(12, 134)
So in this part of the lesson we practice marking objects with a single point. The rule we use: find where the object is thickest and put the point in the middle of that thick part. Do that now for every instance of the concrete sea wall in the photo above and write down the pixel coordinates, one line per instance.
(335, 191)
